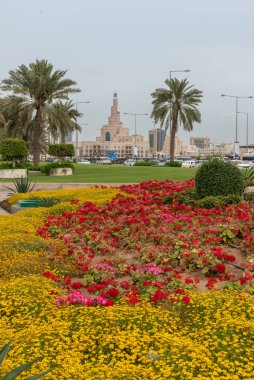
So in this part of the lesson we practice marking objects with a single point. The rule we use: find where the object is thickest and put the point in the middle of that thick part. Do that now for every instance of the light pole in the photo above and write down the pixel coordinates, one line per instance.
(236, 145)
(76, 147)
(135, 118)
(247, 129)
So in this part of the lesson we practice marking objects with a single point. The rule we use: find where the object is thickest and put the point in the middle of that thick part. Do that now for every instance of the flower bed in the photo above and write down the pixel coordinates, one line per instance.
(146, 259)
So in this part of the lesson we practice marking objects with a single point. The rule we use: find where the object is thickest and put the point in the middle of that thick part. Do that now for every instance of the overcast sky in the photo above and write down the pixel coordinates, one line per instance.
(130, 46)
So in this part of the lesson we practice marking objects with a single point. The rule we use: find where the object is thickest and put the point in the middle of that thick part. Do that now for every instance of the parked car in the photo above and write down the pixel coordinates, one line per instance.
(129, 162)
(84, 162)
(241, 164)
(188, 164)
(103, 161)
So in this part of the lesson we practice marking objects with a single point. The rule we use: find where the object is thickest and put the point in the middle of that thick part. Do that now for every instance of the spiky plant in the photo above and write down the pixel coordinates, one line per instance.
(18, 370)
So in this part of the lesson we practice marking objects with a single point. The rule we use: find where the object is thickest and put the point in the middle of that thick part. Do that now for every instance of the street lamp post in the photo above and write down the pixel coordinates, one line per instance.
(76, 146)
(247, 129)
(135, 118)
(236, 145)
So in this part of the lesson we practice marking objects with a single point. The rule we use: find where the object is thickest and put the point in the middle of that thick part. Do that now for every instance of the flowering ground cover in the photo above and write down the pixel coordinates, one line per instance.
(128, 288)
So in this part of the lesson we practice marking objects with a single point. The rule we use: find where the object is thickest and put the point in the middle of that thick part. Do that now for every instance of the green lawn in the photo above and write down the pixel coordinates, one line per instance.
(119, 174)
(116, 174)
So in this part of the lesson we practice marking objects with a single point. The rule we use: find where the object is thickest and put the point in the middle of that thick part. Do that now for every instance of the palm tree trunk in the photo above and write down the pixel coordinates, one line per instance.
(36, 139)
(172, 138)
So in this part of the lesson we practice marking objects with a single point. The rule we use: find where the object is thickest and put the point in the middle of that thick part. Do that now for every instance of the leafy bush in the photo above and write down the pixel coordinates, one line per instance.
(54, 165)
(13, 150)
(19, 165)
(216, 177)
(218, 201)
(145, 163)
(61, 150)
(173, 164)
(189, 198)
(248, 196)
(22, 185)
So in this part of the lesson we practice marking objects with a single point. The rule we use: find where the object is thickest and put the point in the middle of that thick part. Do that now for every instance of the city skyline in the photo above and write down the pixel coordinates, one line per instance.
(131, 47)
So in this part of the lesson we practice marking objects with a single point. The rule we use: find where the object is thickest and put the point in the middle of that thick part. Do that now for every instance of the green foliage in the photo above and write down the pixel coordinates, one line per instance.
(248, 197)
(216, 177)
(189, 198)
(144, 164)
(18, 370)
(173, 164)
(19, 165)
(22, 185)
(175, 105)
(248, 173)
(13, 150)
(218, 201)
(44, 202)
(54, 165)
(61, 150)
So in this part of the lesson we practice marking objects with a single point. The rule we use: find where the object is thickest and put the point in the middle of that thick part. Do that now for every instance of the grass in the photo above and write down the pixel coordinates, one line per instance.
(116, 174)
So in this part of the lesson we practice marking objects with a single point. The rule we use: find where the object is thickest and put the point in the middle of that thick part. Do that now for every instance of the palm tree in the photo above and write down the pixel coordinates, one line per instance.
(34, 89)
(176, 105)
(62, 119)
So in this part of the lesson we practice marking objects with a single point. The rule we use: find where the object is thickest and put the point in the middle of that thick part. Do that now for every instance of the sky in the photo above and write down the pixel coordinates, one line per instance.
(130, 46)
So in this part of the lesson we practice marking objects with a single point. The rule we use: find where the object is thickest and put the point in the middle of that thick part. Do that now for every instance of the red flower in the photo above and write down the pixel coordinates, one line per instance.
(113, 293)
(220, 268)
(133, 299)
(77, 285)
(186, 299)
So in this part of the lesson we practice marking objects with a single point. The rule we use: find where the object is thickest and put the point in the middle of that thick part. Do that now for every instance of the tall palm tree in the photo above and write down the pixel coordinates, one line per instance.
(35, 88)
(176, 105)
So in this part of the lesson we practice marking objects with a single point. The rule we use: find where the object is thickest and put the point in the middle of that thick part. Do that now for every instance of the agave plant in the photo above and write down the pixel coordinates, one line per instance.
(18, 370)
(248, 177)
(22, 185)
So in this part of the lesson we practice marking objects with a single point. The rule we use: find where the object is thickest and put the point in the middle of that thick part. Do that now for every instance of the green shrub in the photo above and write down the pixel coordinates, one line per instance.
(216, 177)
(173, 164)
(13, 150)
(144, 163)
(54, 165)
(248, 197)
(61, 150)
(187, 197)
(218, 201)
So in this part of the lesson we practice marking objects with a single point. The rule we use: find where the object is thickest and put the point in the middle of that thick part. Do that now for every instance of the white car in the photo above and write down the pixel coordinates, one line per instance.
(129, 162)
(188, 164)
(84, 162)
(103, 161)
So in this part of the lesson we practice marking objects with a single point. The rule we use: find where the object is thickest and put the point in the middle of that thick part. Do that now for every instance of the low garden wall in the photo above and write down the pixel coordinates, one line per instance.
(13, 173)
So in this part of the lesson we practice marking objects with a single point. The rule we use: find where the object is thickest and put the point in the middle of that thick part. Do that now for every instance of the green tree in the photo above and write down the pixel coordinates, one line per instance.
(62, 119)
(61, 150)
(34, 89)
(13, 150)
(176, 105)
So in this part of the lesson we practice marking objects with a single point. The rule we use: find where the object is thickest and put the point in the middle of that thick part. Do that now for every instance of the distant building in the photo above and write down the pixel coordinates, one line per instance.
(200, 142)
(114, 138)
